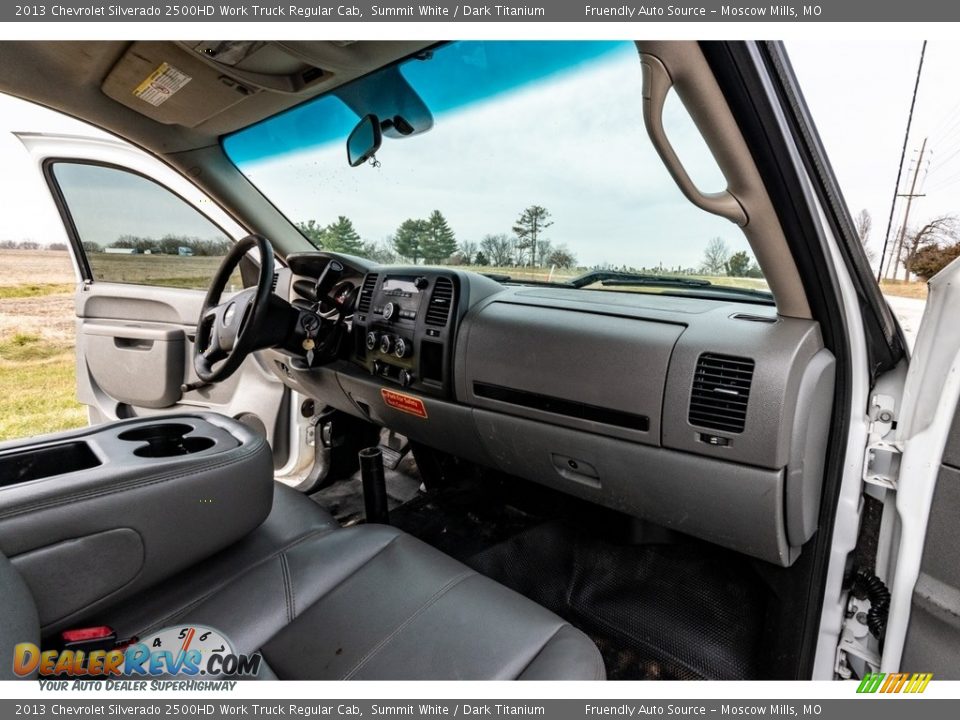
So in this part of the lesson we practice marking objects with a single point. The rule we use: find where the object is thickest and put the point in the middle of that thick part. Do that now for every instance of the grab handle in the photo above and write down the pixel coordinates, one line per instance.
(656, 84)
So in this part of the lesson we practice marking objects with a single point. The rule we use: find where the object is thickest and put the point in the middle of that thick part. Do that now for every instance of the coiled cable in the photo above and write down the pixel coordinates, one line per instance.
(873, 588)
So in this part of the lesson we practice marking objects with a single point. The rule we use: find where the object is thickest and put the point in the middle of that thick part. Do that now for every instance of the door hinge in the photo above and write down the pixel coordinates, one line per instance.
(881, 462)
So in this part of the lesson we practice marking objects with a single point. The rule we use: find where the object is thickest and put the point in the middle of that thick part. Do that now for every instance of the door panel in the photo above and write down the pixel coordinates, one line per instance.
(146, 241)
(933, 636)
(923, 626)
(134, 351)
(135, 363)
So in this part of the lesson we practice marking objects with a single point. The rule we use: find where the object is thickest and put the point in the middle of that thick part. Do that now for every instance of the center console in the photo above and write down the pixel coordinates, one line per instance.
(91, 516)
(403, 326)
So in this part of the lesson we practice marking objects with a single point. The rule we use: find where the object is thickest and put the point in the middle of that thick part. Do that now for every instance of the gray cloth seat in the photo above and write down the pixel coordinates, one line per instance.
(365, 602)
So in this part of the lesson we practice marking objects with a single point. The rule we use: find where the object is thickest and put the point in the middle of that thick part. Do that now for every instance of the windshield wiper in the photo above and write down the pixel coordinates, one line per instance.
(504, 279)
(615, 277)
(612, 278)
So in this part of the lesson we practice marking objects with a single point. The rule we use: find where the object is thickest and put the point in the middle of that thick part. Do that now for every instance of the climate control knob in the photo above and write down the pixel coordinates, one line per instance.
(386, 344)
(389, 311)
(372, 340)
(403, 348)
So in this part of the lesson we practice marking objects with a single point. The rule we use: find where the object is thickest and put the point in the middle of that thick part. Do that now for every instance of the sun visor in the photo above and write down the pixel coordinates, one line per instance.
(171, 85)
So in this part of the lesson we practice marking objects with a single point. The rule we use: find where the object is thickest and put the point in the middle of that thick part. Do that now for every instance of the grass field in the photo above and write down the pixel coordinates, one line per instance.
(37, 386)
(165, 270)
(37, 338)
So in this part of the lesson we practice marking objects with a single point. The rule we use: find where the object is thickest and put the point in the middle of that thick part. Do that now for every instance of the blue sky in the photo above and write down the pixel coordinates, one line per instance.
(573, 142)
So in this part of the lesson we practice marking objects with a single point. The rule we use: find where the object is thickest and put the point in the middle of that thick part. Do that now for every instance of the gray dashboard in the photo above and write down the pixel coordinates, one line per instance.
(707, 416)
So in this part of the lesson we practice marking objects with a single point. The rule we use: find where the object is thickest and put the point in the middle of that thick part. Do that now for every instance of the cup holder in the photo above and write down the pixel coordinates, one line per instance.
(167, 440)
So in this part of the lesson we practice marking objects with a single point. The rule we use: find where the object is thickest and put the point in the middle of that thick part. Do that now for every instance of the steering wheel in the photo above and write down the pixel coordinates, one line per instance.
(227, 332)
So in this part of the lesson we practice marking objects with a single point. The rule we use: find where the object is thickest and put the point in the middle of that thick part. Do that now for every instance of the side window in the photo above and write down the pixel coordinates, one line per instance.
(134, 230)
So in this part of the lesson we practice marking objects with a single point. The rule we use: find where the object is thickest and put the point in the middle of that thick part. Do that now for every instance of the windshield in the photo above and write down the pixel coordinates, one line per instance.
(525, 160)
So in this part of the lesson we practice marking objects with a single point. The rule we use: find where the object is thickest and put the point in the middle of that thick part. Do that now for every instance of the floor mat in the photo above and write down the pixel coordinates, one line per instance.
(656, 611)
(462, 519)
(673, 611)
(344, 499)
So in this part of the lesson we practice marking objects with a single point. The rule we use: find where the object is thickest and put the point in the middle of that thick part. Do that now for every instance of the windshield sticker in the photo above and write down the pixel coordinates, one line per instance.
(161, 84)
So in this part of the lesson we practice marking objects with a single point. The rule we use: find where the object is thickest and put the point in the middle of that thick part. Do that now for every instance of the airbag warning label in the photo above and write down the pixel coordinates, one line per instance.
(404, 403)
(161, 84)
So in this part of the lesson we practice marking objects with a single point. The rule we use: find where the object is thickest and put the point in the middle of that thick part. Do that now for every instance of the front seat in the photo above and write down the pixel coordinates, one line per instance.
(366, 602)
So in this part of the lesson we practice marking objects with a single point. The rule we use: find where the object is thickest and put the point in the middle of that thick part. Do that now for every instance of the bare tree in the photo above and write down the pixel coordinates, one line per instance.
(561, 257)
(466, 252)
(715, 257)
(497, 249)
(863, 224)
(544, 248)
(941, 230)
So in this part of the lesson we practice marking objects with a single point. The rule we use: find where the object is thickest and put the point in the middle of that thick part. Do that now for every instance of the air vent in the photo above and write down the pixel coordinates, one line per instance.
(438, 311)
(366, 293)
(306, 289)
(755, 318)
(721, 388)
(273, 283)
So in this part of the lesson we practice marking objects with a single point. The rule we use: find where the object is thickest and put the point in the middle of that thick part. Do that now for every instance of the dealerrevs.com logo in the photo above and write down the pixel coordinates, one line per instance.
(184, 651)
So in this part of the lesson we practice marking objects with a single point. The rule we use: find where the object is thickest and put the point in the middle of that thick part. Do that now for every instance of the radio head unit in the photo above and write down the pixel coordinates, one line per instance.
(404, 322)
(398, 298)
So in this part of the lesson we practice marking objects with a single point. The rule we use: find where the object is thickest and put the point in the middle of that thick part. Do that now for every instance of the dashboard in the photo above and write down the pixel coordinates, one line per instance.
(707, 416)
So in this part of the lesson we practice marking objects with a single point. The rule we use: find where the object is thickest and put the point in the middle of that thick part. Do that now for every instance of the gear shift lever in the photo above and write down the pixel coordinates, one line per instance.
(374, 486)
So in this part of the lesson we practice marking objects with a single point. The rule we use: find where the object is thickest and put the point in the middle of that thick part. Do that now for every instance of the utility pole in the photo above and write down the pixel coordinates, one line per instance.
(894, 263)
(903, 153)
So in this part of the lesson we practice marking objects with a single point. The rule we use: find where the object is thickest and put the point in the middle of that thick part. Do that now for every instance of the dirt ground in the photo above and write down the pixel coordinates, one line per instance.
(48, 315)
(39, 267)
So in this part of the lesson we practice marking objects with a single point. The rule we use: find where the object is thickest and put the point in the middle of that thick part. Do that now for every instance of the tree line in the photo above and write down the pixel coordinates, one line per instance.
(166, 245)
(30, 245)
(431, 240)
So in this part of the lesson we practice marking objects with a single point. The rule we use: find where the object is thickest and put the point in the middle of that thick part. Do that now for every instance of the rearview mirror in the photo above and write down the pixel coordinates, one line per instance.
(364, 140)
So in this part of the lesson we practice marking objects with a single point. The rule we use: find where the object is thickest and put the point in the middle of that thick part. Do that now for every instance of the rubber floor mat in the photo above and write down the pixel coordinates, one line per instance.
(462, 520)
(657, 611)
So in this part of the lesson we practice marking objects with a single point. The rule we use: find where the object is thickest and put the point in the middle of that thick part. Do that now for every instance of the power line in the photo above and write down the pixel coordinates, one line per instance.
(903, 154)
(945, 183)
(947, 123)
(940, 164)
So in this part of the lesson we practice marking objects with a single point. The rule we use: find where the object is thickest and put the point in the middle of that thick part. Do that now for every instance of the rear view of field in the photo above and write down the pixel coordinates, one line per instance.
(37, 337)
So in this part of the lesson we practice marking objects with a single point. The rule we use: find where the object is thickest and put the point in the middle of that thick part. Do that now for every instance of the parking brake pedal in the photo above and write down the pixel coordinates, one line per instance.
(394, 450)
